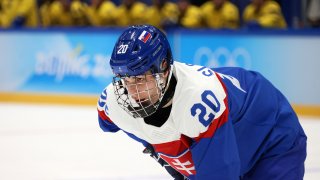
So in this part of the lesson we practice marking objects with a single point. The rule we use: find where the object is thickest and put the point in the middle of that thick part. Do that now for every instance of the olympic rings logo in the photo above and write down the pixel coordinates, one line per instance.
(222, 57)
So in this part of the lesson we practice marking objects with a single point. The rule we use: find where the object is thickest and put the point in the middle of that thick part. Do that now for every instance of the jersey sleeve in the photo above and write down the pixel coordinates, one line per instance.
(216, 156)
(215, 151)
(105, 122)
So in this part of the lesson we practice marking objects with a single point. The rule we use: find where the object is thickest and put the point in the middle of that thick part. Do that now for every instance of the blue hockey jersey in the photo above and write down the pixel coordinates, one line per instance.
(222, 122)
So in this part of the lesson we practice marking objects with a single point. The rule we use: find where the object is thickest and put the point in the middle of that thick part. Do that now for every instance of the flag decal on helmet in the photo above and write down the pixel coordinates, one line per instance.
(144, 36)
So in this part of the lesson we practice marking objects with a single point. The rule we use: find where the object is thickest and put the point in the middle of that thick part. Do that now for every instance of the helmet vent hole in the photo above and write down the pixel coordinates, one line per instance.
(136, 48)
(155, 36)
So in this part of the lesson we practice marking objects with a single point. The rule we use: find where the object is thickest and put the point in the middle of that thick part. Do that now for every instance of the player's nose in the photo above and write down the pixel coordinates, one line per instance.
(132, 89)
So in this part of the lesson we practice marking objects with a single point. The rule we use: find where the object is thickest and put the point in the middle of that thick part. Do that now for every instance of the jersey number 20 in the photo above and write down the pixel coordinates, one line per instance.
(207, 109)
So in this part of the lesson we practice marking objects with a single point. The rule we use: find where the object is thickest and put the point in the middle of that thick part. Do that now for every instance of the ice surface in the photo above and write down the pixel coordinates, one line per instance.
(66, 143)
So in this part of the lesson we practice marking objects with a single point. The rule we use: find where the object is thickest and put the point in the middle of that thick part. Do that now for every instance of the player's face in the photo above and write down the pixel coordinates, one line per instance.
(143, 88)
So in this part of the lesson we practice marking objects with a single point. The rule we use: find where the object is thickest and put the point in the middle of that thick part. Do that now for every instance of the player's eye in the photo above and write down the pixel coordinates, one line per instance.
(140, 79)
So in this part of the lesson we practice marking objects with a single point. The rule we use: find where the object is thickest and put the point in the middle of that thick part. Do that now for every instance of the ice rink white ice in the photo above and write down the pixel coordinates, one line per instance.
(65, 143)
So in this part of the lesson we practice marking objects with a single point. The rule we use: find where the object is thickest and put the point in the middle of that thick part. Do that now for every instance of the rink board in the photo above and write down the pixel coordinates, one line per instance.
(71, 66)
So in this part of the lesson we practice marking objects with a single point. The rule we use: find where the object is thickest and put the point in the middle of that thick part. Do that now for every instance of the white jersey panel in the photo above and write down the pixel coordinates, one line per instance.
(152, 134)
(198, 88)
(192, 81)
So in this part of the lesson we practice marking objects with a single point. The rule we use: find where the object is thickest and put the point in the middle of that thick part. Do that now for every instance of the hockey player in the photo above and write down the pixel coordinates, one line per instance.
(200, 123)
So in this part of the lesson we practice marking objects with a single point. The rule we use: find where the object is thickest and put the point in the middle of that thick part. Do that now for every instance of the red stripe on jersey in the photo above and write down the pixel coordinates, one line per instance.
(182, 163)
(177, 155)
(223, 85)
(103, 116)
(217, 123)
(174, 148)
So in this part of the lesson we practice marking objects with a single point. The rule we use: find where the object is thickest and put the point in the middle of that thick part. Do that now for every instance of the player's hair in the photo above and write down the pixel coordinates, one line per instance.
(140, 49)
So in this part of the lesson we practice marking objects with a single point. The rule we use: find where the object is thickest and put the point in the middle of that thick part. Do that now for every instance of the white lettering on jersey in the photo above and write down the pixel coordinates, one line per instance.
(233, 80)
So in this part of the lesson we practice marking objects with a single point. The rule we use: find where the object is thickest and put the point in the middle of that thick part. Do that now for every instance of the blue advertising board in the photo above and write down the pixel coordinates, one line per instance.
(289, 61)
(56, 62)
(76, 62)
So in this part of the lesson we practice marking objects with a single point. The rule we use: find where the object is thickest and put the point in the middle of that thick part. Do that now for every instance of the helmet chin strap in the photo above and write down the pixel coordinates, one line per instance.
(170, 69)
(165, 86)
(169, 89)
